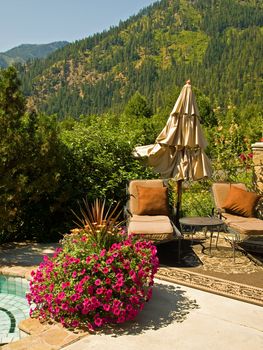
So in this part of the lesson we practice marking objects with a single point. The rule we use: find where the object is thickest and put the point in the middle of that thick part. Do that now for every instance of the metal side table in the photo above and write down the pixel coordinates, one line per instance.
(196, 223)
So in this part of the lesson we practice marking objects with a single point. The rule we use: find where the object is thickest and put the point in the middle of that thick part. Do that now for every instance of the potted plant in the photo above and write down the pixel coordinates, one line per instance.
(99, 275)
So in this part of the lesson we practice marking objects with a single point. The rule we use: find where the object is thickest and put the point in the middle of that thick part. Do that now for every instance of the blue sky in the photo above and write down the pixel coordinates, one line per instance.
(45, 21)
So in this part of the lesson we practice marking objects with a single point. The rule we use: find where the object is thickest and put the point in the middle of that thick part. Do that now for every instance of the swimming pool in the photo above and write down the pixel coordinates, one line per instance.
(13, 306)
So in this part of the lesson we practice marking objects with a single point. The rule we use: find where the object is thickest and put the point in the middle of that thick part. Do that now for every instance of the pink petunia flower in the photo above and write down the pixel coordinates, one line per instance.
(106, 307)
(75, 297)
(75, 323)
(65, 285)
(61, 295)
(116, 311)
(100, 291)
(108, 280)
(105, 270)
(78, 288)
(98, 321)
(74, 274)
(102, 253)
(108, 293)
(64, 306)
(109, 260)
(88, 259)
(121, 319)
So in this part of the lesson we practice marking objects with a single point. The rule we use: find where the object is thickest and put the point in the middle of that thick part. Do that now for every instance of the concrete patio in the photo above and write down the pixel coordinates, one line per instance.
(182, 318)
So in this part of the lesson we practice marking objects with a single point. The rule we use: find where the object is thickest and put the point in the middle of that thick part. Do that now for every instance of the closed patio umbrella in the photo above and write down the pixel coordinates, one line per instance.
(178, 151)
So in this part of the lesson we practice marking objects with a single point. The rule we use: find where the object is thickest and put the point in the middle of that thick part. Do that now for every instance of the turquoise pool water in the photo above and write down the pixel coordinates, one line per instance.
(13, 306)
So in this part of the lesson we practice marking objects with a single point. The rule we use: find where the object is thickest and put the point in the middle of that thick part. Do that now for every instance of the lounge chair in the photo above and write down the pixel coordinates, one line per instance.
(148, 213)
(236, 206)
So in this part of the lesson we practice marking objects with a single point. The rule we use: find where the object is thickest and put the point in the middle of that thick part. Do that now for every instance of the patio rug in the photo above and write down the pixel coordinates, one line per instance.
(242, 280)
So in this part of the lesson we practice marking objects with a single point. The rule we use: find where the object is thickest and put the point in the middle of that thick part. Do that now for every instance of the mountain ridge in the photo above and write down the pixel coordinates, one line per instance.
(217, 45)
(25, 52)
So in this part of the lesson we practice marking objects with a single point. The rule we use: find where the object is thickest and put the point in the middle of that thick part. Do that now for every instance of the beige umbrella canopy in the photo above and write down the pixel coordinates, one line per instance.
(178, 151)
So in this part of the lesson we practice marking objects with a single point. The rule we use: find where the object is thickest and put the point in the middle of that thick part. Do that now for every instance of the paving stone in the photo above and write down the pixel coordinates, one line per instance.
(58, 336)
(32, 342)
(33, 326)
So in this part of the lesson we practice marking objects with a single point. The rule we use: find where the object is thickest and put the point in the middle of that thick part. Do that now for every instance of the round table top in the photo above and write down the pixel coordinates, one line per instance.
(200, 221)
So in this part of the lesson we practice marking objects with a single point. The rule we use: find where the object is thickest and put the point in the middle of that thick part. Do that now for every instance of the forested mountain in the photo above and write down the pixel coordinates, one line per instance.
(25, 52)
(218, 44)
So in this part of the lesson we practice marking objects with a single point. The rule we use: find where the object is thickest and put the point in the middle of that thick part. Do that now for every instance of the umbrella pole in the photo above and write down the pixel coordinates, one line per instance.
(178, 204)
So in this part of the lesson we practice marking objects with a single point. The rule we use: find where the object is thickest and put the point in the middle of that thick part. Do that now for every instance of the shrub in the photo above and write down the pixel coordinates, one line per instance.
(99, 161)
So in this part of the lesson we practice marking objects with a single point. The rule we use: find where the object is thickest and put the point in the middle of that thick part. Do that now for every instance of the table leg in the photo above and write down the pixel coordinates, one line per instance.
(217, 237)
(193, 233)
(234, 249)
(210, 244)
(179, 249)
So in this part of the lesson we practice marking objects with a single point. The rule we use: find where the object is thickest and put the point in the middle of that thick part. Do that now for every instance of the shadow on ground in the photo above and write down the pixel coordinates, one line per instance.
(195, 254)
(23, 256)
(168, 254)
(169, 304)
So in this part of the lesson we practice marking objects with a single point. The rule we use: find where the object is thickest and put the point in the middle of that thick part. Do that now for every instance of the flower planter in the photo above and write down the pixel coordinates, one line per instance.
(85, 289)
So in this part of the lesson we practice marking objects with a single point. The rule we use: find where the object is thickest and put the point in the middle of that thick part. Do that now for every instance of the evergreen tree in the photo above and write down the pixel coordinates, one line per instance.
(137, 106)
(29, 164)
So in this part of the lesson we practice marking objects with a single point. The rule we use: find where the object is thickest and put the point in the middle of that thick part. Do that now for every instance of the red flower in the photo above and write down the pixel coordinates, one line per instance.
(242, 157)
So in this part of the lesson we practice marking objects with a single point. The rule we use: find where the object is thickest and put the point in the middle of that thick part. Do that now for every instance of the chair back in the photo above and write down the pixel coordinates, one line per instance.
(221, 190)
(133, 200)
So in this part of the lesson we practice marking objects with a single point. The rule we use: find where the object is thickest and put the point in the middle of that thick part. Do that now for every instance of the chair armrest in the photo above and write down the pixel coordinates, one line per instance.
(217, 212)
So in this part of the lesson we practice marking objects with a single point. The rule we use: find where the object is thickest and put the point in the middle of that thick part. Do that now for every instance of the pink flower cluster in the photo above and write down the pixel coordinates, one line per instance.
(90, 290)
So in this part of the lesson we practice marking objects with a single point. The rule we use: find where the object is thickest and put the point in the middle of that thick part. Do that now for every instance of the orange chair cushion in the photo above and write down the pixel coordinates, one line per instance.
(240, 202)
(152, 201)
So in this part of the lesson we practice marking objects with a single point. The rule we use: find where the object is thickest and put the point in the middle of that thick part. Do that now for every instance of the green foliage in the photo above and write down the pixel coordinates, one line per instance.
(29, 164)
(99, 159)
(137, 106)
(207, 115)
(230, 145)
(197, 199)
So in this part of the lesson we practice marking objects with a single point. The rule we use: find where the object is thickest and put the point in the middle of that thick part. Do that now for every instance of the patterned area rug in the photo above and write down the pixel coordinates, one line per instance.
(216, 273)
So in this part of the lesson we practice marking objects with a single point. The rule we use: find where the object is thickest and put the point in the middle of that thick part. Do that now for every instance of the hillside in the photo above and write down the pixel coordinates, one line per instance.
(217, 44)
(25, 52)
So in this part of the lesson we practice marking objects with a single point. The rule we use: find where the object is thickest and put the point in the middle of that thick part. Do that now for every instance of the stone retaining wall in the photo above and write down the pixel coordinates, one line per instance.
(257, 149)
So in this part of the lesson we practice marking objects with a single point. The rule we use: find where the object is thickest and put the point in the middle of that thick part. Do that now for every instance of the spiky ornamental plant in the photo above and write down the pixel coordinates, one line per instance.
(99, 224)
